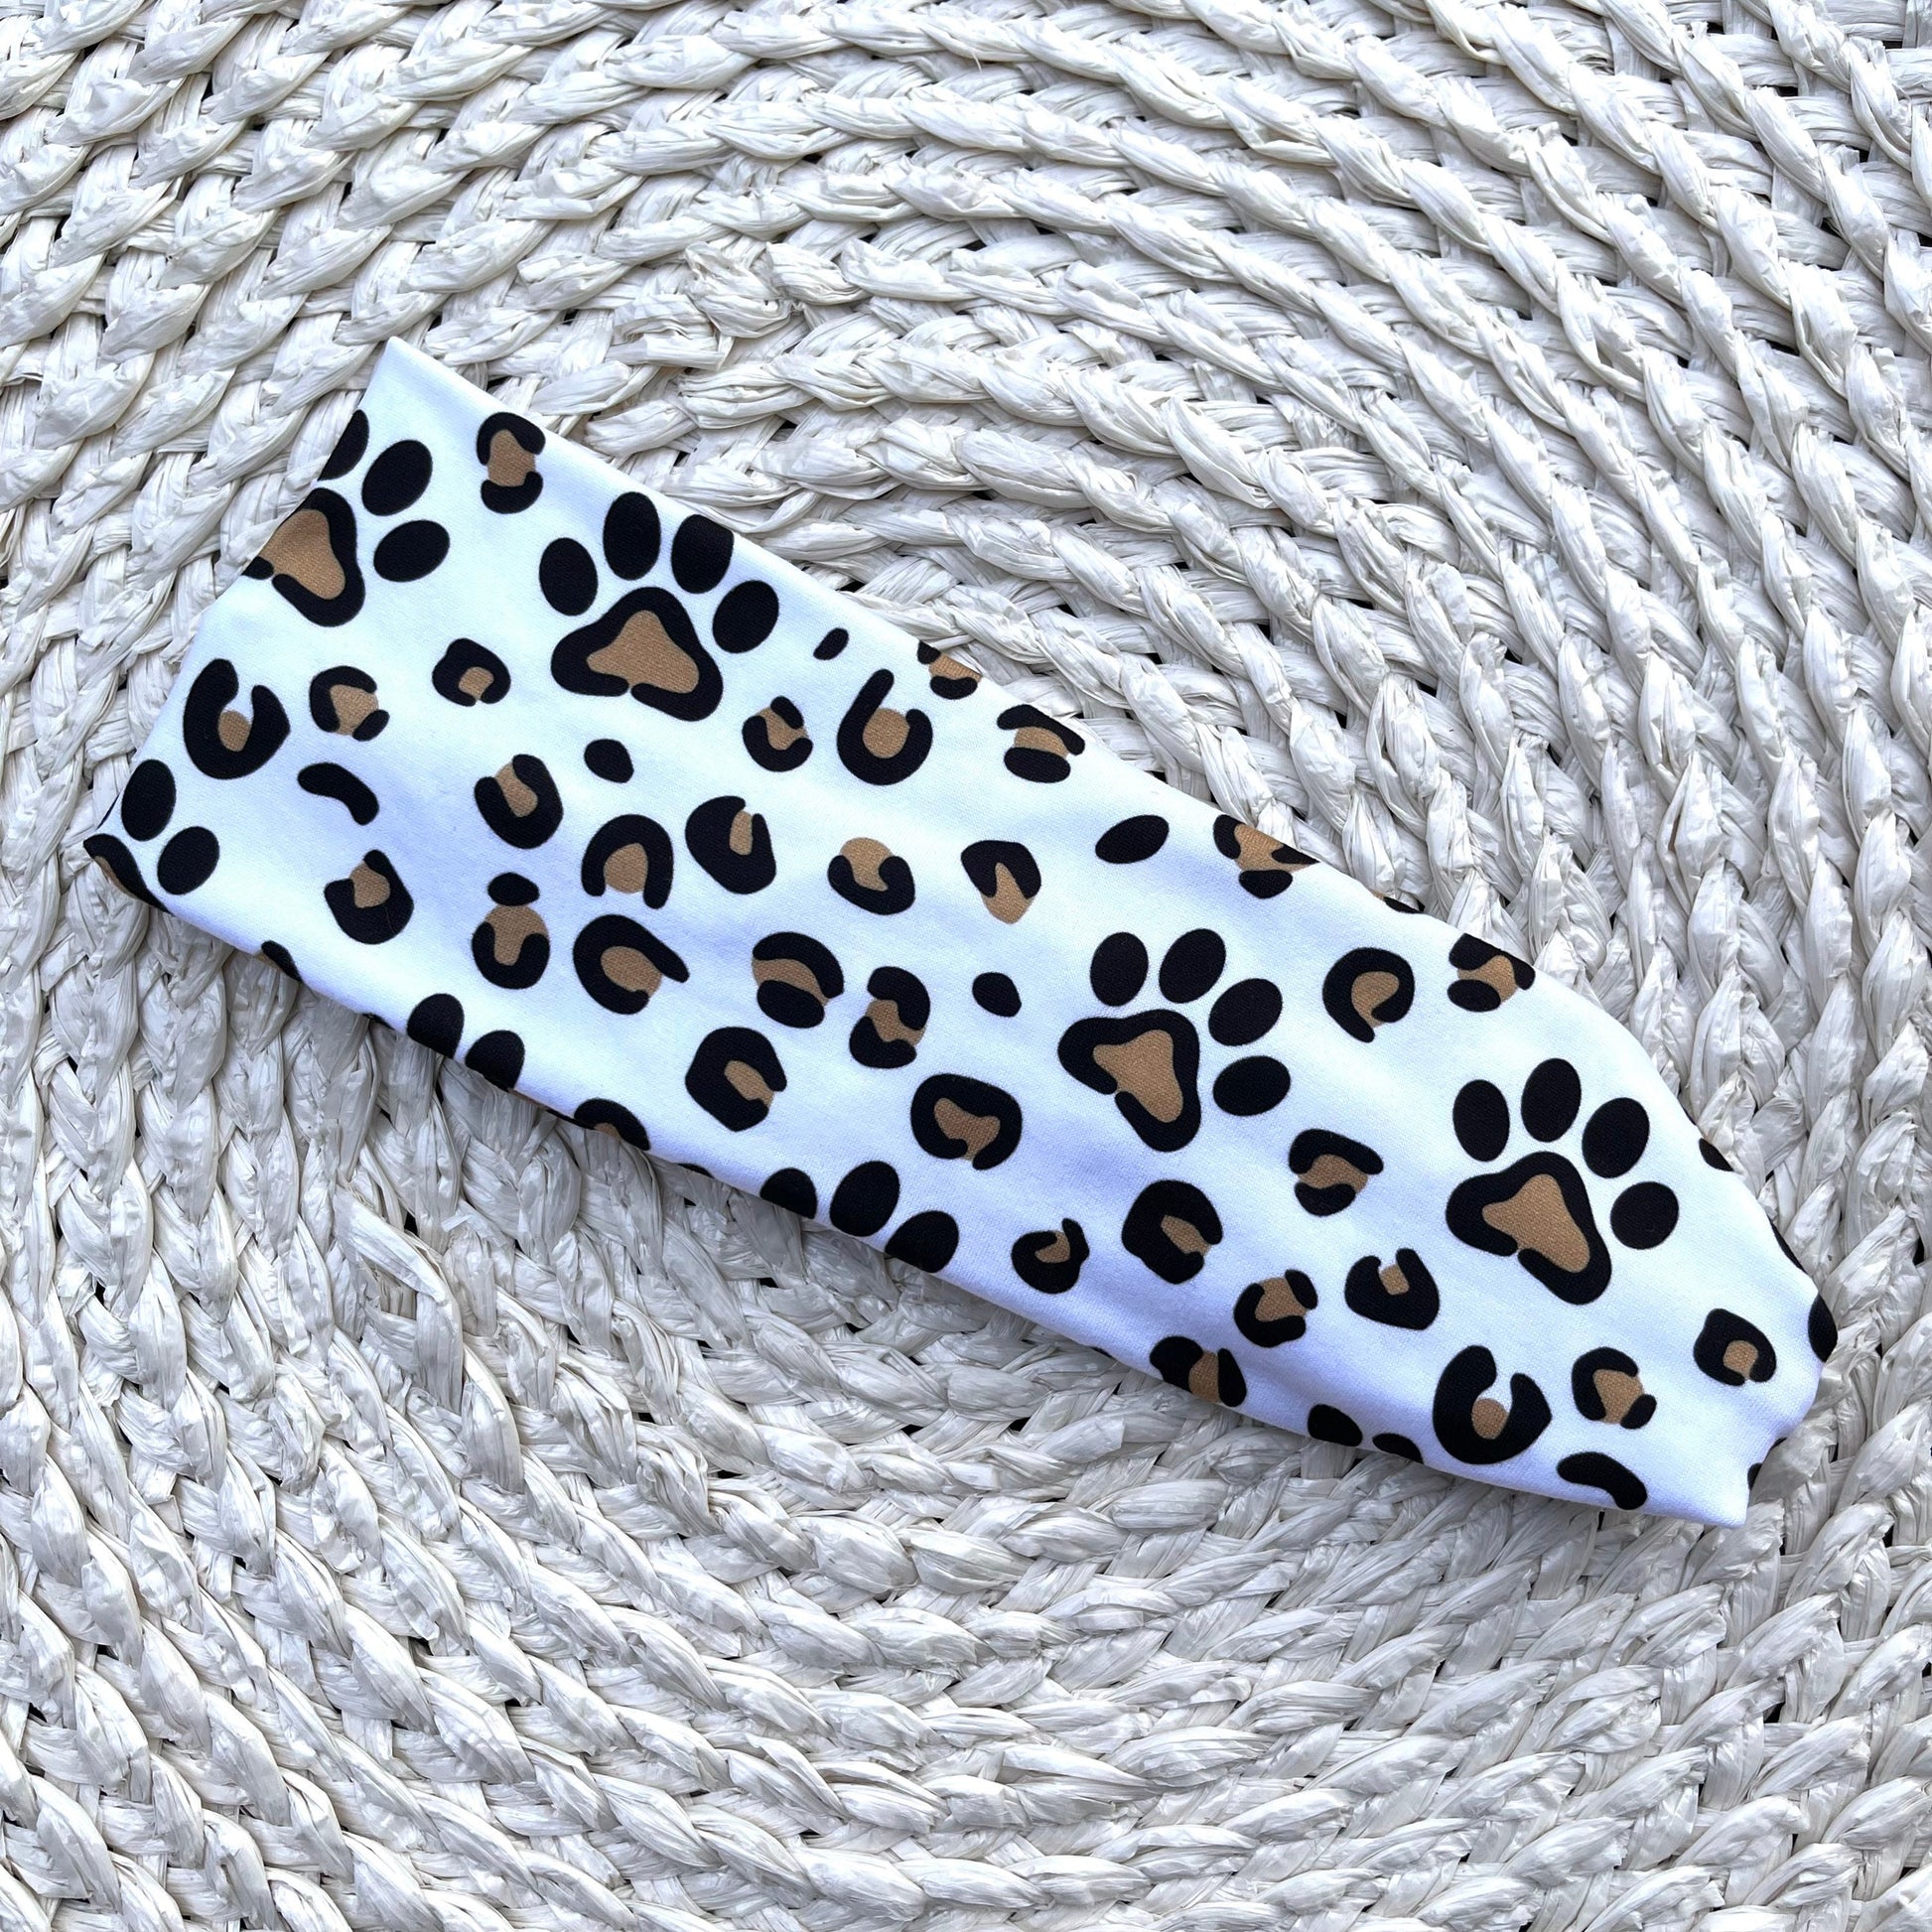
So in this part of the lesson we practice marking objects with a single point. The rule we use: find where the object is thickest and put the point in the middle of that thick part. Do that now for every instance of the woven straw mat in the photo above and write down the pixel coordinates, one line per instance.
(1489, 445)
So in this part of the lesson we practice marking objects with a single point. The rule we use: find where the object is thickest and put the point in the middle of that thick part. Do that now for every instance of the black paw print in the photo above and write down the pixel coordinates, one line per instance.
(646, 644)
(185, 862)
(1149, 1062)
(1537, 1208)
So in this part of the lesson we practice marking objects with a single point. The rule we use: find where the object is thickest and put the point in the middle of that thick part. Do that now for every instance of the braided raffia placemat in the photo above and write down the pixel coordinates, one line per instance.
(1489, 445)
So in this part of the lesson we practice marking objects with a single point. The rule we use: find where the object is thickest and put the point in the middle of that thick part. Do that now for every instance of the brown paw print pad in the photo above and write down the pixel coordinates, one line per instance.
(1149, 1061)
(1608, 1387)
(734, 1075)
(620, 963)
(512, 945)
(1214, 1376)
(507, 447)
(612, 1117)
(1276, 1308)
(344, 703)
(1399, 1294)
(1041, 747)
(957, 1117)
(521, 803)
(1368, 989)
(1473, 1425)
(1051, 1259)
(1330, 1169)
(796, 977)
(776, 738)
(889, 1032)
(732, 844)
(949, 676)
(1171, 1228)
(469, 673)
(878, 745)
(223, 742)
(1485, 976)
(185, 862)
(372, 904)
(1005, 874)
(1265, 865)
(1734, 1351)
(1539, 1207)
(629, 854)
(871, 876)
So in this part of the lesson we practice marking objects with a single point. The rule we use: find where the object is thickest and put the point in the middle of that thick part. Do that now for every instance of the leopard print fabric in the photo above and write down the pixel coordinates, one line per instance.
(641, 822)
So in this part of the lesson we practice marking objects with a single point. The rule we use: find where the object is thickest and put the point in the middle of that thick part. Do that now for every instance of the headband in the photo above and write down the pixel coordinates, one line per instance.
(645, 823)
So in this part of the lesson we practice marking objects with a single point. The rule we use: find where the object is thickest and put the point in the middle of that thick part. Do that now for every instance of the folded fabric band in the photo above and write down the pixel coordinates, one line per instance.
(646, 824)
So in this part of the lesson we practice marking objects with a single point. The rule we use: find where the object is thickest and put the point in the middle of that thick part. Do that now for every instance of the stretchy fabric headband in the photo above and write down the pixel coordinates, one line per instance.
(646, 824)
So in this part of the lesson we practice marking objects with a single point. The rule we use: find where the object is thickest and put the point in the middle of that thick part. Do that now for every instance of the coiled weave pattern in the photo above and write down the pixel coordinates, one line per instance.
(1489, 445)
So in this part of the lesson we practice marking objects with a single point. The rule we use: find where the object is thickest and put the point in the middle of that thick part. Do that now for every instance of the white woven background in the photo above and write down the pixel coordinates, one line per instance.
(1491, 445)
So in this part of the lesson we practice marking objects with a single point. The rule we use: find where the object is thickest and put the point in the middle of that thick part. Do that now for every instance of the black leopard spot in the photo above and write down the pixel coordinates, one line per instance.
(957, 1117)
(608, 1117)
(734, 1076)
(512, 946)
(437, 1023)
(521, 803)
(498, 1057)
(871, 876)
(1187, 1365)
(796, 978)
(1393, 1444)
(311, 560)
(222, 741)
(371, 904)
(620, 965)
(1591, 1469)
(1148, 1064)
(1169, 1228)
(792, 1187)
(1251, 1086)
(996, 994)
(1821, 1330)
(1005, 874)
(469, 673)
(1051, 1259)
(1331, 1170)
(744, 616)
(344, 701)
(1132, 839)
(1327, 1423)
(1608, 1387)
(1368, 989)
(1476, 1427)
(148, 799)
(829, 645)
(351, 447)
(1537, 1209)
(1041, 747)
(629, 854)
(644, 644)
(878, 745)
(1644, 1216)
(1265, 866)
(1402, 1294)
(732, 844)
(889, 1032)
(568, 580)
(632, 536)
(279, 957)
(1734, 1351)
(701, 553)
(606, 759)
(949, 676)
(507, 447)
(188, 860)
(776, 738)
(396, 478)
(1485, 976)
(338, 782)
(863, 1202)
(408, 552)
(926, 1240)
(1276, 1308)
(1713, 1158)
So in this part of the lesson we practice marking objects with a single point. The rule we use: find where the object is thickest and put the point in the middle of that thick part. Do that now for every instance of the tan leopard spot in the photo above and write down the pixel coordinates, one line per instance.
(231, 728)
(1740, 1357)
(475, 685)
(510, 926)
(627, 967)
(1256, 852)
(885, 733)
(1394, 1280)
(1334, 1171)
(300, 549)
(1204, 1378)
(1056, 1248)
(1370, 992)
(1496, 973)
(974, 1132)
(1279, 1301)
(788, 972)
(1037, 738)
(747, 1082)
(1620, 1393)
(645, 653)
(778, 734)
(1488, 1418)
(509, 461)
(743, 835)
(367, 887)
(352, 705)
(888, 1025)
(864, 857)
(1538, 1218)
(516, 794)
(1144, 1067)
(1185, 1235)
(627, 869)
(950, 669)
(1007, 902)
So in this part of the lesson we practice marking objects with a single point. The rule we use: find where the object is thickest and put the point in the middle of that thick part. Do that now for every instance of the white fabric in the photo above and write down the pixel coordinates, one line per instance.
(1476, 1229)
